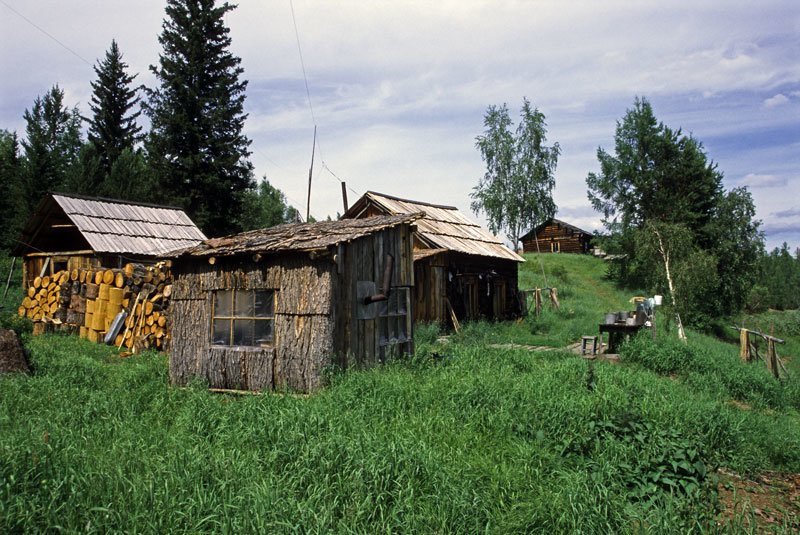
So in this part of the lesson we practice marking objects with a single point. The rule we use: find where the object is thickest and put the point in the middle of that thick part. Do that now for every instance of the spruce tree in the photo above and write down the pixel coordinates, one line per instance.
(11, 203)
(112, 127)
(51, 147)
(196, 147)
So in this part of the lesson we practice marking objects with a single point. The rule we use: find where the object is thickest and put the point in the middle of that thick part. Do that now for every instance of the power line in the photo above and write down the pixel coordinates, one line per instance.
(308, 95)
(29, 21)
(302, 63)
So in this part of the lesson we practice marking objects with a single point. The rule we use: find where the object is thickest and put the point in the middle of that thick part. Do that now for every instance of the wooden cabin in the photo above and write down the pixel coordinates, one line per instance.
(460, 269)
(556, 236)
(273, 309)
(69, 232)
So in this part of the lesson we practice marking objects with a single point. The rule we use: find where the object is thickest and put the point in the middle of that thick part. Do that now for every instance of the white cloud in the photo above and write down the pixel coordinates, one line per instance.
(762, 181)
(778, 100)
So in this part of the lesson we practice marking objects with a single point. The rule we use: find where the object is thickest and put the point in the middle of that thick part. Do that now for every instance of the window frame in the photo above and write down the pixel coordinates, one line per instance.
(389, 319)
(233, 317)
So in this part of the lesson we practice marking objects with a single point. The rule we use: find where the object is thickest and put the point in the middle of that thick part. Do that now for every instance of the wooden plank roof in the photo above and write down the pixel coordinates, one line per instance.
(443, 227)
(115, 226)
(297, 237)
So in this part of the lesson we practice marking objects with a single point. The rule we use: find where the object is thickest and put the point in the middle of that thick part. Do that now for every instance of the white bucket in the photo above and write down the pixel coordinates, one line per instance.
(658, 299)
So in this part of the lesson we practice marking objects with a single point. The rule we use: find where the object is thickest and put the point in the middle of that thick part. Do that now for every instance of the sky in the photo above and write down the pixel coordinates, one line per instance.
(398, 89)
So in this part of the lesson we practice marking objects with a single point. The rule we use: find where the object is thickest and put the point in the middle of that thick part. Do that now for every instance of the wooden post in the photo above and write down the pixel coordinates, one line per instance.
(554, 298)
(10, 272)
(344, 196)
(772, 358)
(744, 345)
(310, 172)
(537, 299)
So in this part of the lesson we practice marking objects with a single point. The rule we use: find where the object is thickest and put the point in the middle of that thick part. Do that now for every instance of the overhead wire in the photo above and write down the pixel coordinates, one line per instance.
(29, 21)
(310, 105)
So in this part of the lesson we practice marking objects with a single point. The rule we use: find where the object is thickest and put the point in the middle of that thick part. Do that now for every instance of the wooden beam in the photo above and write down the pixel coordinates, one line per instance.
(61, 253)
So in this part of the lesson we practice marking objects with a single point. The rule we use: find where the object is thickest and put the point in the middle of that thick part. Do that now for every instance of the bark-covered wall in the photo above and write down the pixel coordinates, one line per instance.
(303, 326)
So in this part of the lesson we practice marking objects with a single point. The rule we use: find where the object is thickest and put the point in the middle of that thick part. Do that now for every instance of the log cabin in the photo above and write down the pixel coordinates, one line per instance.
(275, 308)
(556, 236)
(461, 271)
(68, 231)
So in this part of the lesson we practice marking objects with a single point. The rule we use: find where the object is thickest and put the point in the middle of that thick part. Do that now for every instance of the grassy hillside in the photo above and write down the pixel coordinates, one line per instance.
(462, 438)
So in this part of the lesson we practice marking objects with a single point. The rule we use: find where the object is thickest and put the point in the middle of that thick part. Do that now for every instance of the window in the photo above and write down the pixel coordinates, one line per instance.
(243, 318)
(393, 318)
(555, 247)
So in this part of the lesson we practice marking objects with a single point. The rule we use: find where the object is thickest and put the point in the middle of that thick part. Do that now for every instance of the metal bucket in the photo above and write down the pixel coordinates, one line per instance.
(611, 318)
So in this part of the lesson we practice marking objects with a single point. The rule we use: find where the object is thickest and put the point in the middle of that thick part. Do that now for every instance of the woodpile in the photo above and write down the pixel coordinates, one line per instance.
(126, 307)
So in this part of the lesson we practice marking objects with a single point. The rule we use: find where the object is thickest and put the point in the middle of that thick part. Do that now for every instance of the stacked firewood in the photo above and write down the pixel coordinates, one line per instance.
(125, 307)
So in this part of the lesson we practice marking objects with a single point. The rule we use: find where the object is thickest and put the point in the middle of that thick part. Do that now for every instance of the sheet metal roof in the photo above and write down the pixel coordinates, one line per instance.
(297, 236)
(443, 227)
(120, 227)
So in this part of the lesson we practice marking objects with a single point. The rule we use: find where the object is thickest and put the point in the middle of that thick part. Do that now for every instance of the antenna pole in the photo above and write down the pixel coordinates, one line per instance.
(310, 172)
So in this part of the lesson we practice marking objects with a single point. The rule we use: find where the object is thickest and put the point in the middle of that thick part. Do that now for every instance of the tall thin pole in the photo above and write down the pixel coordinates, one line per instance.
(310, 172)
(344, 196)
(10, 272)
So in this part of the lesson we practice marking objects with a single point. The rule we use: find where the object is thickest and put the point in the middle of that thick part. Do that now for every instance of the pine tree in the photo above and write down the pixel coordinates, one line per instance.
(11, 203)
(52, 145)
(112, 127)
(196, 146)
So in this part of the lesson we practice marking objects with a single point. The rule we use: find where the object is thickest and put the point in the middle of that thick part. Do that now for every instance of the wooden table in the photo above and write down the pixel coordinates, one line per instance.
(616, 333)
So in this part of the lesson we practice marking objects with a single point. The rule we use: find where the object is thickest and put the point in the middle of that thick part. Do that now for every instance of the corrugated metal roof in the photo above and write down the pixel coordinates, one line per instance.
(442, 227)
(120, 227)
(297, 236)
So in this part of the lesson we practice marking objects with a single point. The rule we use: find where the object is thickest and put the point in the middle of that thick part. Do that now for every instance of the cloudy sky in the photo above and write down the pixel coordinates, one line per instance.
(399, 88)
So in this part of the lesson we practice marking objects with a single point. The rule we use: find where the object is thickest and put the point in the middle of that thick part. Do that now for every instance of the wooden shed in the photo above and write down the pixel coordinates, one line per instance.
(275, 308)
(460, 269)
(69, 232)
(556, 236)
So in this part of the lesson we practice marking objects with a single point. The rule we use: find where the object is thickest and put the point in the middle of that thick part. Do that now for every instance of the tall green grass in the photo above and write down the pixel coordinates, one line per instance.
(462, 439)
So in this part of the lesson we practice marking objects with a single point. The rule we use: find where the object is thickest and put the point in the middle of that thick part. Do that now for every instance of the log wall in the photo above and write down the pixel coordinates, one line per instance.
(555, 238)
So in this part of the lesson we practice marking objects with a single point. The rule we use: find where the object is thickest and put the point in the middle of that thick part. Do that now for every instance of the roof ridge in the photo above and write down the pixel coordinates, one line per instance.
(423, 203)
(114, 201)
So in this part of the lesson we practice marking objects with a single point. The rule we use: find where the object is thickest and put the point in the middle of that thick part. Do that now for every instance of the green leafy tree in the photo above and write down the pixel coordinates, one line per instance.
(516, 192)
(266, 206)
(734, 237)
(112, 126)
(196, 146)
(12, 206)
(659, 178)
(52, 145)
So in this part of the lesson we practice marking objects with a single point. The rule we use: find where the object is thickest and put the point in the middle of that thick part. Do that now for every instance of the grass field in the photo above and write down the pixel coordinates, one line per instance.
(462, 438)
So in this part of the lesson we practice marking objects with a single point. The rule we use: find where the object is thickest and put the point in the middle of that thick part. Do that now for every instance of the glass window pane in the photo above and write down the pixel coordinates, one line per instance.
(221, 332)
(223, 299)
(242, 332)
(262, 332)
(402, 297)
(243, 304)
(402, 330)
(383, 330)
(383, 308)
(264, 304)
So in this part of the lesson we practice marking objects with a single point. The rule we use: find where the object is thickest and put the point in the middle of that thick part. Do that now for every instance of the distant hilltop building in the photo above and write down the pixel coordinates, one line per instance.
(556, 236)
